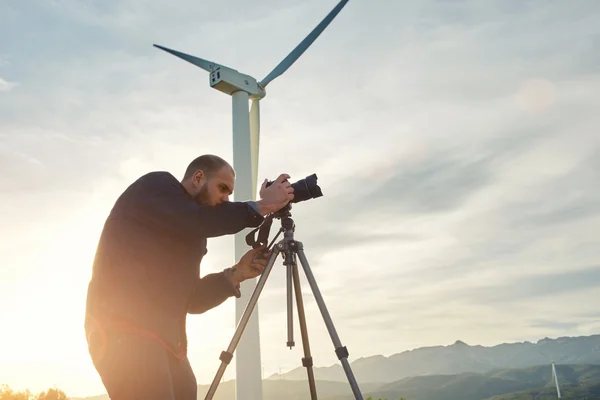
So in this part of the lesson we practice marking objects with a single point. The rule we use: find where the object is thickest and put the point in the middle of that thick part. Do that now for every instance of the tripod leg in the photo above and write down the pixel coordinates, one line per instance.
(307, 360)
(341, 351)
(290, 304)
(226, 356)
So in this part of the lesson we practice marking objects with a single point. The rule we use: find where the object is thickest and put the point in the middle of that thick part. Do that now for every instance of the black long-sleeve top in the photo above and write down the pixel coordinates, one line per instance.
(146, 271)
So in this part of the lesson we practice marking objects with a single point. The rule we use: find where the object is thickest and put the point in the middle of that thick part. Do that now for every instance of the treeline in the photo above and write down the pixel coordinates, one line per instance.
(6, 393)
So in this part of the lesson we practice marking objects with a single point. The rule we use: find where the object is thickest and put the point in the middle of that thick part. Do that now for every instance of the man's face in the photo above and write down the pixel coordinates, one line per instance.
(216, 189)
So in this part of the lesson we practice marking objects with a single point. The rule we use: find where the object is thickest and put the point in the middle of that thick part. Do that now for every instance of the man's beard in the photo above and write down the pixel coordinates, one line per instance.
(202, 197)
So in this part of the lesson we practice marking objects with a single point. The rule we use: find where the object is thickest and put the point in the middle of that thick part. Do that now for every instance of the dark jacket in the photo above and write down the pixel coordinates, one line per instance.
(146, 272)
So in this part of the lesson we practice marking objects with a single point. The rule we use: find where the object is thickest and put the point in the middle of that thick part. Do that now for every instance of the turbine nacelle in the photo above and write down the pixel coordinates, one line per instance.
(229, 81)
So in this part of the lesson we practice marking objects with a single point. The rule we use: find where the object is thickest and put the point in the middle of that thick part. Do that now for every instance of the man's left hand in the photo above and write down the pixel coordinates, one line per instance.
(251, 265)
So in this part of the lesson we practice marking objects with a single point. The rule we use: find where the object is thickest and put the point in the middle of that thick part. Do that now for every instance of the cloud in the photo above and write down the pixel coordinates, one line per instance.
(572, 204)
(6, 86)
(542, 285)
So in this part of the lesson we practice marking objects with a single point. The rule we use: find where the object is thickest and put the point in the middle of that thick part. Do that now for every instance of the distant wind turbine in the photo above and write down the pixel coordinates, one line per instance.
(555, 377)
(246, 135)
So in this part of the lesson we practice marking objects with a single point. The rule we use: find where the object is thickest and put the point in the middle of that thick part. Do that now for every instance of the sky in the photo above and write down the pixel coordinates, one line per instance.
(456, 144)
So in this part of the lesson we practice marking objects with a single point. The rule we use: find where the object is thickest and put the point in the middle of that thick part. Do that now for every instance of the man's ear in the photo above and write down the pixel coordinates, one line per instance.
(198, 177)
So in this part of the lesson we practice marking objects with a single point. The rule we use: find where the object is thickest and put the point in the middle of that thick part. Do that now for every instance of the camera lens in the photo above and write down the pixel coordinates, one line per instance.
(305, 189)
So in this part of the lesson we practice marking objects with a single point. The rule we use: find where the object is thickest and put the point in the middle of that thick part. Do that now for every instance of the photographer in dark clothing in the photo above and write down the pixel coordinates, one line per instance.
(146, 274)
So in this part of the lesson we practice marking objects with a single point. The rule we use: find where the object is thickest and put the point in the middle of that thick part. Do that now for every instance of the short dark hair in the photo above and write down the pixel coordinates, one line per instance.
(209, 163)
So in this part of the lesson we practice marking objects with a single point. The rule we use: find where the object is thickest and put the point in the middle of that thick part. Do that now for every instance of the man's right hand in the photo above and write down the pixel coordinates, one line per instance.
(276, 196)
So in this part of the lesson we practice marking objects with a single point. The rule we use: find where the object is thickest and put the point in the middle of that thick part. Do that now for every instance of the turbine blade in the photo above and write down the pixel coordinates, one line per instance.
(254, 142)
(305, 44)
(208, 66)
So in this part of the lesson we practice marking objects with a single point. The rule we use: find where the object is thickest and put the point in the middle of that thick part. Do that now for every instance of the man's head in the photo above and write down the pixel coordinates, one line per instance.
(209, 179)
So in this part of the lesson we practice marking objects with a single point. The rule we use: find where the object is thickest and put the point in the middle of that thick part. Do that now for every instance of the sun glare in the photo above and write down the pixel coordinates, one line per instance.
(44, 306)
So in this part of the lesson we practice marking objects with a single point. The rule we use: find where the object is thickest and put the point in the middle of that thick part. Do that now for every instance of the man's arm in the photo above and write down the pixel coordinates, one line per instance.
(211, 291)
(161, 201)
(262, 207)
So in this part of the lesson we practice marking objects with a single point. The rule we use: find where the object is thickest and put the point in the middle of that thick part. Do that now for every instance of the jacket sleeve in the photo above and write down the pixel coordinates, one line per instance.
(161, 202)
(211, 291)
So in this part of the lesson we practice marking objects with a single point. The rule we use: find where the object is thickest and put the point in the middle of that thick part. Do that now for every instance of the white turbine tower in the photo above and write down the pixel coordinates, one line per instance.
(555, 377)
(246, 135)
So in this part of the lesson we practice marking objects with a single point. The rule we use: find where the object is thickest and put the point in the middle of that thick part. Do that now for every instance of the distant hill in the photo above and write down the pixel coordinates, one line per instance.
(581, 382)
(460, 357)
(576, 382)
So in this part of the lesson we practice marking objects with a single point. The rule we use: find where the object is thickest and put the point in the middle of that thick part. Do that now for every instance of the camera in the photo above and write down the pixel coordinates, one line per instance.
(304, 189)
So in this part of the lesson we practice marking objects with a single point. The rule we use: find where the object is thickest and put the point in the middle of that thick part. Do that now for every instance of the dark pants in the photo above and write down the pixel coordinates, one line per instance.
(135, 367)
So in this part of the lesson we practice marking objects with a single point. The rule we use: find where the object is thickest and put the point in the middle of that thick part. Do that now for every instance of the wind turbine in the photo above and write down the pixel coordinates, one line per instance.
(246, 136)
(555, 377)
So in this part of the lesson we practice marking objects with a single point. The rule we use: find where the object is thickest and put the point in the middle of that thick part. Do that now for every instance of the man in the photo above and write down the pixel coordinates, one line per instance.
(146, 274)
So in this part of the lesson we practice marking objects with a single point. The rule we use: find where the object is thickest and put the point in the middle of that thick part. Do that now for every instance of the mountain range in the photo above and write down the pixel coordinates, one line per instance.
(460, 357)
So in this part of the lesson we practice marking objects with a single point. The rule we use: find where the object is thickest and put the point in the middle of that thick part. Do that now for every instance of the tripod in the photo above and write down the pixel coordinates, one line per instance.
(291, 250)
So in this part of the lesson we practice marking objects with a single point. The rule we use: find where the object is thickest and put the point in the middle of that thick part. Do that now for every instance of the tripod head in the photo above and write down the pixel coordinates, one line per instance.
(283, 213)
(287, 225)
